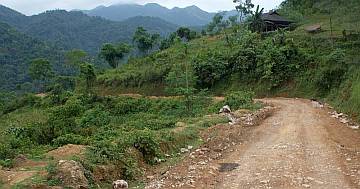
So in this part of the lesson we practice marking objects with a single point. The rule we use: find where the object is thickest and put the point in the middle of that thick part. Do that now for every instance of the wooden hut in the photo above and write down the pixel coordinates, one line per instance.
(274, 21)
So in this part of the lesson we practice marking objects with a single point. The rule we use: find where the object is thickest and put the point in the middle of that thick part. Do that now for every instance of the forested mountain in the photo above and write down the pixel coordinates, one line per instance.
(16, 51)
(50, 34)
(188, 16)
(12, 17)
(73, 29)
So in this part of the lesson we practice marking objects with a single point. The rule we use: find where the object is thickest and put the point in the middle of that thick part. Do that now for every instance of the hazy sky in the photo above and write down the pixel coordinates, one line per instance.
(30, 7)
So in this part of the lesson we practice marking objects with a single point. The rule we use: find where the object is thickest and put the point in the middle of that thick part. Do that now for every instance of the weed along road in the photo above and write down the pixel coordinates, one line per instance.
(298, 146)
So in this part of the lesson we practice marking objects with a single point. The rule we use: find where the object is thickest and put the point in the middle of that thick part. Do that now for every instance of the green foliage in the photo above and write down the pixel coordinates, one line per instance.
(181, 79)
(40, 69)
(114, 53)
(19, 102)
(244, 8)
(69, 139)
(240, 100)
(217, 24)
(16, 51)
(210, 67)
(145, 141)
(127, 105)
(87, 77)
(256, 22)
(95, 117)
(331, 72)
(144, 40)
(186, 33)
(76, 57)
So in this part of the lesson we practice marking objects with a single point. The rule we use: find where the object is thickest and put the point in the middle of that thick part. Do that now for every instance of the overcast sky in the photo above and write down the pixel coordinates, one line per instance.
(30, 7)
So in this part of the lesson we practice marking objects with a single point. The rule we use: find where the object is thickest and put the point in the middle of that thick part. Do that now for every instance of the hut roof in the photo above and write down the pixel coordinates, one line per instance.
(274, 16)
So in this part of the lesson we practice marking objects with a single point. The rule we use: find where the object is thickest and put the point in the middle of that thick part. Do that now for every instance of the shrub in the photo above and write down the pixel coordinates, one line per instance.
(25, 100)
(152, 122)
(210, 67)
(95, 117)
(6, 151)
(69, 139)
(146, 142)
(331, 73)
(127, 105)
(239, 99)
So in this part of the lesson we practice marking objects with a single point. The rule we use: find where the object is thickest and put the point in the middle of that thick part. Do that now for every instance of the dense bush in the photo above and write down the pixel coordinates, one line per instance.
(331, 72)
(19, 102)
(146, 142)
(239, 99)
(128, 105)
(95, 117)
(210, 67)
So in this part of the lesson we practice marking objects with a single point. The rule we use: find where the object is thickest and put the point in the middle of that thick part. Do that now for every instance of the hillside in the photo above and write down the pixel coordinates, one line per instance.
(292, 63)
(75, 30)
(188, 16)
(16, 51)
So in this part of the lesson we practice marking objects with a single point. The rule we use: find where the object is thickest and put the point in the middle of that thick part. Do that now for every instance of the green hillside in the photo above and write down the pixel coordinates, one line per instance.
(323, 65)
(16, 51)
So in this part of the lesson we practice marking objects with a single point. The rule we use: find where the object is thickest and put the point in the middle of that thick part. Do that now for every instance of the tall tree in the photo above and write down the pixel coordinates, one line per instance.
(243, 7)
(144, 40)
(114, 53)
(75, 57)
(41, 72)
(40, 69)
(87, 76)
(215, 24)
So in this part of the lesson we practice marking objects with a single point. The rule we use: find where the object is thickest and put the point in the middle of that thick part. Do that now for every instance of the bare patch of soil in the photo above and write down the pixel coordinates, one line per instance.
(67, 151)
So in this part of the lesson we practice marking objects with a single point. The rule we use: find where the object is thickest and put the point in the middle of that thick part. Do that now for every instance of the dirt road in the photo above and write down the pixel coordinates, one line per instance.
(299, 146)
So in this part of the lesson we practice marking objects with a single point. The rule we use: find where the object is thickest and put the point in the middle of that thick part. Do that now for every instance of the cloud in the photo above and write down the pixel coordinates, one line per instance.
(30, 7)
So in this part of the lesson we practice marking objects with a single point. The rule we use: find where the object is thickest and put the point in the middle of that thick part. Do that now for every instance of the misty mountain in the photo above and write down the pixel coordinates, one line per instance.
(76, 30)
(188, 16)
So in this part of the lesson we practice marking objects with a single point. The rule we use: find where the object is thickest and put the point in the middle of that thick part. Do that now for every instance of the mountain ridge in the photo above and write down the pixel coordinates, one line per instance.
(187, 16)
(76, 30)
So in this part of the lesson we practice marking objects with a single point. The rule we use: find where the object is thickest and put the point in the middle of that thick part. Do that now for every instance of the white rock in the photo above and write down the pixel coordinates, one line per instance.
(120, 184)
(184, 150)
(225, 109)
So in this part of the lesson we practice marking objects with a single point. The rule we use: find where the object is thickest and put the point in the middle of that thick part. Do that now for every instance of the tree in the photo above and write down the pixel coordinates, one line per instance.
(113, 53)
(144, 40)
(87, 76)
(244, 8)
(215, 24)
(75, 57)
(233, 20)
(256, 22)
(40, 70)
(181, 80)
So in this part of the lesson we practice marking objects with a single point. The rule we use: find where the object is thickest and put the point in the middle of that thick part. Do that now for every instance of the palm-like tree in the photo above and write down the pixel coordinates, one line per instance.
(257, 24)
